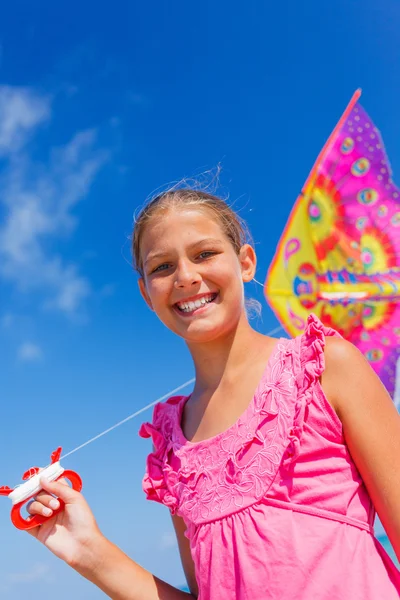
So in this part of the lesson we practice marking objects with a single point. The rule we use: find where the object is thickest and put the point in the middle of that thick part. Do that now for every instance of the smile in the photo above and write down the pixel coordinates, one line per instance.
(189, 306)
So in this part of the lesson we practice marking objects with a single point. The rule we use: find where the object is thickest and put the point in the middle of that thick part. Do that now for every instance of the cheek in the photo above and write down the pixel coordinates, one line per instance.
(158, 290)
(231, 277)
(230, 281)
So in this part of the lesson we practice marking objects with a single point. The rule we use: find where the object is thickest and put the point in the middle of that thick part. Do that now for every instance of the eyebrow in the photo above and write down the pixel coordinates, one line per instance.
(203, 242)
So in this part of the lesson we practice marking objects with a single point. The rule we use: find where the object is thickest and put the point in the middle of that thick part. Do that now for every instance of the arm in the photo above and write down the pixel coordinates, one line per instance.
(371, 427)
(122, 579)
(116, 571)
(186, 555)
(73, 536)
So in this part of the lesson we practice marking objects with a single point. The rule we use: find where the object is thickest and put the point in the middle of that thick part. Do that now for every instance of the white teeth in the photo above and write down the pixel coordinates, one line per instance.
(192, 305)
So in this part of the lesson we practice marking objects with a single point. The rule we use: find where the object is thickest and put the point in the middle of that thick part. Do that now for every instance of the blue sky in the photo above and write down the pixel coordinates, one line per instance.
(98, 109)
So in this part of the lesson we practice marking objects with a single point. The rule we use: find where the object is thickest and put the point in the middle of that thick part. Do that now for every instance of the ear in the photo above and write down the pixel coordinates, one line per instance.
(143, 291)
(248, 262)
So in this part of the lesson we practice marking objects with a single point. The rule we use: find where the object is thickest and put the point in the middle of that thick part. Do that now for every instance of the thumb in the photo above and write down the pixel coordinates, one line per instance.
(61, 490)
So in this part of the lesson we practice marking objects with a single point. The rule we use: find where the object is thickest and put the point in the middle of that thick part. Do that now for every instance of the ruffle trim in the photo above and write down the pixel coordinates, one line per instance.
(160, 430)
(233, 469)
(198, 482)
(311, 365)
(312, 346)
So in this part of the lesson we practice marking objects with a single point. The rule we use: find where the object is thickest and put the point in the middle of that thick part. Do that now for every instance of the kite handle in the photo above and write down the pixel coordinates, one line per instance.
(34, 521)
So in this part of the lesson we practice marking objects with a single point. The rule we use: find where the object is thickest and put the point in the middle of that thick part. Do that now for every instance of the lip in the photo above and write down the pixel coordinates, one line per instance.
(196, 311)
(193, 298)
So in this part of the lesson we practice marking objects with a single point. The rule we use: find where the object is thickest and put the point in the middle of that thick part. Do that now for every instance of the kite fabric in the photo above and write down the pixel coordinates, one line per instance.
(339, 255)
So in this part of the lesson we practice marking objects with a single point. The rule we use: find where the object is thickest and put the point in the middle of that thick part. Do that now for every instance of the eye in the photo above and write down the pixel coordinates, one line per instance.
(160, 268)
(206, 254)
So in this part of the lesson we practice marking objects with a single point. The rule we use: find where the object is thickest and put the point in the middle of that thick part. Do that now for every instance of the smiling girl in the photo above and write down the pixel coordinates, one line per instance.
(273, 467)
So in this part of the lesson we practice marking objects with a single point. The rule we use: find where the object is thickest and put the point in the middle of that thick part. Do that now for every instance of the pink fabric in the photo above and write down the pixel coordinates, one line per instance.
(275, 507)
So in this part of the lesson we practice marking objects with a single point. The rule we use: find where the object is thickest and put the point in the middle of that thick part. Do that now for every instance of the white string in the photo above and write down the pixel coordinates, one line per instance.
(135, 414)
(274, 330)
(141, 410)
(255, 281)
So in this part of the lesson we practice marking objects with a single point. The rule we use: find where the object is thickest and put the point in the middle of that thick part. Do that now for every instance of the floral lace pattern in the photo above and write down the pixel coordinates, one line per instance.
(216, 477)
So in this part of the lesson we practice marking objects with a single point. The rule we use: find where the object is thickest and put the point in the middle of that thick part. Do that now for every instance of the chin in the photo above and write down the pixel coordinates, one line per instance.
(203, 334)
(203, 330)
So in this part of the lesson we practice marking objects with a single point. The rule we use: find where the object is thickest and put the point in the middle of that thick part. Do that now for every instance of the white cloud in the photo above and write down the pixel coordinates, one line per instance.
(21, 110)
(39, 201)
(38, 572)
(29, 352)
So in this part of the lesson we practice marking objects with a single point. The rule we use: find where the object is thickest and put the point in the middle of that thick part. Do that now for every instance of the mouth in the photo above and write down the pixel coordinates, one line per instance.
(188, 307)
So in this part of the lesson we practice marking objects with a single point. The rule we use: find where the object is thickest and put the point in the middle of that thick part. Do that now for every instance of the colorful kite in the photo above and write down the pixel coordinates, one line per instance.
(339, 255)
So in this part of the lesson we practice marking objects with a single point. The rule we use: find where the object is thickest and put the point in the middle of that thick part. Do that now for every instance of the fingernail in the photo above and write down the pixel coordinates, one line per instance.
(47, 512)
(54, 504)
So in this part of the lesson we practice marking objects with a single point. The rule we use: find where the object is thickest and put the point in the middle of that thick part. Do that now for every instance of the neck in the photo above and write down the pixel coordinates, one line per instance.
(216, 361)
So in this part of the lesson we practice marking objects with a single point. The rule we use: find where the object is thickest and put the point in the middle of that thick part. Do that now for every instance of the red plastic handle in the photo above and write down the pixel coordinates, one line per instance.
(35, 520)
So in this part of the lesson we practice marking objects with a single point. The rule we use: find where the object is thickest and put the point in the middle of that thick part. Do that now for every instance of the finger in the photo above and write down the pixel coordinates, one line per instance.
(37, 508)
(63, 481)
(43, 504)
(61, 490)
(44, 497)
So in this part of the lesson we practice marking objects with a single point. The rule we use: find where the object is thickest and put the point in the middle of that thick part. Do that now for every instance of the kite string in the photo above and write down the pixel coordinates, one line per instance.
(144, 408)
(255, 281)
(135, 414)
(141, 410)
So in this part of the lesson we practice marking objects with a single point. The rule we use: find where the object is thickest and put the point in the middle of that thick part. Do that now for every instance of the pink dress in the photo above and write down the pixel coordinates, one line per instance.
(274, 506)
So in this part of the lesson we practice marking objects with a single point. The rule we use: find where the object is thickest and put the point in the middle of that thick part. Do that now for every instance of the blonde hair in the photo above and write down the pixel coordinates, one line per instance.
(231, 224)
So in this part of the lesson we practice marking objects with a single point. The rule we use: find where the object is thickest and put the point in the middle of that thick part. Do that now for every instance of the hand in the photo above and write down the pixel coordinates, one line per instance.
(73, 534)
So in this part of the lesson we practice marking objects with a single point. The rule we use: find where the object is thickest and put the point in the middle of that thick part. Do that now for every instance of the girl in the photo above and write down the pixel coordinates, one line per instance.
(273, 467)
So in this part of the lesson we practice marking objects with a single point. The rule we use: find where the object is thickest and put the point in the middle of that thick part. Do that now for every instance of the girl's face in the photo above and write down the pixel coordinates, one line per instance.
(193, 278)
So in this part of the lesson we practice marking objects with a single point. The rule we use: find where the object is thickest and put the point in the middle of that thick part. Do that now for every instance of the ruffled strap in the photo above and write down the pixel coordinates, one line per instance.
(160, 430)
(312, 346)
(310, 366)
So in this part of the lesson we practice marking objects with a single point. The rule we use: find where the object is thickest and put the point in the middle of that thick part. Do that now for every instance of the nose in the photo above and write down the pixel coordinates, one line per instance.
(186, 275)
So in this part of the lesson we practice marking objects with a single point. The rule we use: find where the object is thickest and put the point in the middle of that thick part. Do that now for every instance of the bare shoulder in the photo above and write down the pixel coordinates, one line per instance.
(339, 352)
(349, 380)
(343, 362)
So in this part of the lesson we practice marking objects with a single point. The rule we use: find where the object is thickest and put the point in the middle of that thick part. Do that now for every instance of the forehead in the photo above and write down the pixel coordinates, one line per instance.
(180, 225)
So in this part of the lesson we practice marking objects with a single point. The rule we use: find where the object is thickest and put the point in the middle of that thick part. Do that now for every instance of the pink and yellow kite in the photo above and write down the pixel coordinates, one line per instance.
(339, 255)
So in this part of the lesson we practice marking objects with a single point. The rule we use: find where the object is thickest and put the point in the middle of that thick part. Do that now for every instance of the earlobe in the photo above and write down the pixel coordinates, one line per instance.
(144, 294)
(248, 262)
